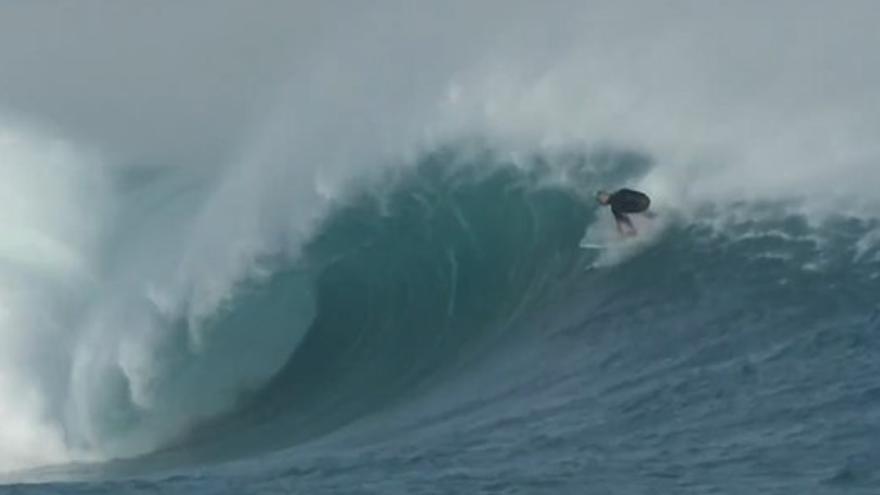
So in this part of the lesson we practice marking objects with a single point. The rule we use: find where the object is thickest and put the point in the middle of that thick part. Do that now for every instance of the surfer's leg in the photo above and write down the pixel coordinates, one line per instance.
(624, 221)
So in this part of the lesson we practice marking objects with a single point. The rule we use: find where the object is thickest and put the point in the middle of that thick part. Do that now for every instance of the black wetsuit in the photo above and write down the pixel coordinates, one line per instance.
(628, 201)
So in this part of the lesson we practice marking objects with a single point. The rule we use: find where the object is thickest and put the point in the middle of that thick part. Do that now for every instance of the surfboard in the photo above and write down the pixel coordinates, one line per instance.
(623, 242)
(591, 245)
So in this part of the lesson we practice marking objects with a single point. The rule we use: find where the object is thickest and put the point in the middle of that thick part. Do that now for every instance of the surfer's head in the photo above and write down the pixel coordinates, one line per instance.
(603, 197)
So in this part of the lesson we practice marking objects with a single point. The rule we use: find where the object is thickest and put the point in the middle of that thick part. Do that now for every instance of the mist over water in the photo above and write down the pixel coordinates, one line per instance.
(184, 211)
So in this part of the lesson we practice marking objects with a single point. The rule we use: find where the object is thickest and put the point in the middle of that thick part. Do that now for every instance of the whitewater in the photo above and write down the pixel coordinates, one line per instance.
(334, 248)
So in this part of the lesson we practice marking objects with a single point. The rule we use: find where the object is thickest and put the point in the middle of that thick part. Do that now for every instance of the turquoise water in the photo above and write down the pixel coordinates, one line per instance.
(462, 342)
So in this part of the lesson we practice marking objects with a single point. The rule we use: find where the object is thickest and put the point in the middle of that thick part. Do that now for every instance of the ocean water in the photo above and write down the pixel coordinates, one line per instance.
(327, 248)
(462, 342)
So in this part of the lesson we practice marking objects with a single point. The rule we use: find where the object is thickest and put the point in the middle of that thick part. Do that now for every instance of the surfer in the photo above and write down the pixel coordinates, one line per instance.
(622, 203)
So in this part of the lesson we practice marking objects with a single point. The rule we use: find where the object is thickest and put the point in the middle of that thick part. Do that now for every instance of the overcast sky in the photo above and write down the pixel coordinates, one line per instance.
(156, 80)
(192, 81)
(174, 80)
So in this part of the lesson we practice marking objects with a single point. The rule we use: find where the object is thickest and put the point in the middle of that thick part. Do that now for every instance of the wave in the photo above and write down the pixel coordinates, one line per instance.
(425, 271)
(414, 274)
(421, 273)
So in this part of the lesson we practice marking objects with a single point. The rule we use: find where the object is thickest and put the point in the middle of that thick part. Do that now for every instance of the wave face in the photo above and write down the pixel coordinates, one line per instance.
(413, 276)
(460, 334)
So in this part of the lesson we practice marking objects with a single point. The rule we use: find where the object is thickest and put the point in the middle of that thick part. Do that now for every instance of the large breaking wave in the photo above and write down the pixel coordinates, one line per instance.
(418, 274)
